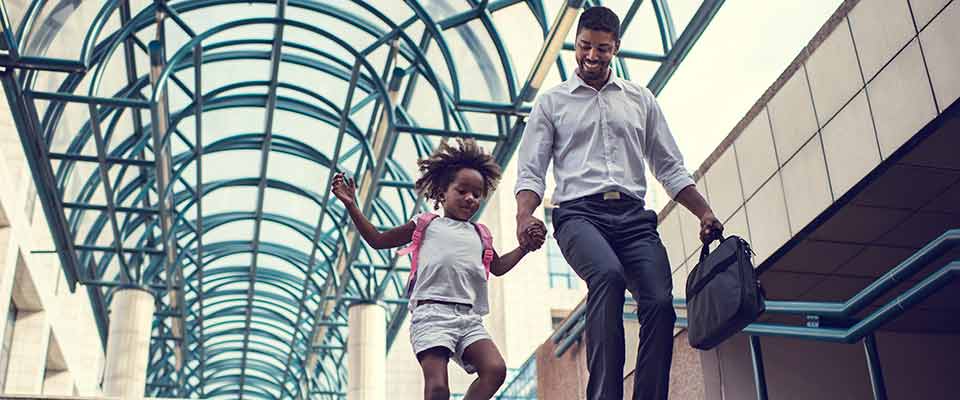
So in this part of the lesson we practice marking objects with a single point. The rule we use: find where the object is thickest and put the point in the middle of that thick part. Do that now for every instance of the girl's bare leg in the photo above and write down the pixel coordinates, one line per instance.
(433, 362)
(491, 369)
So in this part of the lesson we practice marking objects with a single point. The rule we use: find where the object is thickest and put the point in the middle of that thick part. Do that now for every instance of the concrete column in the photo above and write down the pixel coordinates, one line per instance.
(8, 269)
(59, 383)
(28, 354)
(128, 343)
(367, 352)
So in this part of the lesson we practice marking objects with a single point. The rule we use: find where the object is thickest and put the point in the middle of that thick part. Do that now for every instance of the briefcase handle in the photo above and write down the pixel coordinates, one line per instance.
(705, 249)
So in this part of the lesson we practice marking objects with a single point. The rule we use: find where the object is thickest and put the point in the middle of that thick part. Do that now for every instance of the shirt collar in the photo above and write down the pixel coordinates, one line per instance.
(575, 82)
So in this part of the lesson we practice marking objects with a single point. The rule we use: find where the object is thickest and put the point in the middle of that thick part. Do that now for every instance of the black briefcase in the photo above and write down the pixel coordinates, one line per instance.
(723, 293)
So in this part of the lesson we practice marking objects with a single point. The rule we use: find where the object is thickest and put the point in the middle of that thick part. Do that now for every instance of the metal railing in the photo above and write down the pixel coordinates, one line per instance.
(816, 313)
(523, 385)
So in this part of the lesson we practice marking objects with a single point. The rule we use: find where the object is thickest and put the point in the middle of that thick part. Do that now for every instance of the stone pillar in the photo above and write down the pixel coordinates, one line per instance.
(367, 352)
(128, 343)
(28, 353)
(58, 383)
(8, 268)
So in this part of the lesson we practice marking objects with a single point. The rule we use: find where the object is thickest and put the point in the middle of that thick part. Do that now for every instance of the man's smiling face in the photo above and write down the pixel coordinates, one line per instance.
(594, 51)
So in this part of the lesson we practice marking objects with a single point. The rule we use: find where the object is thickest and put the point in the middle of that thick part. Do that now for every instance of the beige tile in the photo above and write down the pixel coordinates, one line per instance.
(690, 229)
(755, 153)
(834, 73)
(851, 145)
(791, 115)
(880, 29)
(924, 10)
(768, 219)
(737, 225)
(901, 100)
(671, 237)
(940, 50)
(806, 185)
(723, 174)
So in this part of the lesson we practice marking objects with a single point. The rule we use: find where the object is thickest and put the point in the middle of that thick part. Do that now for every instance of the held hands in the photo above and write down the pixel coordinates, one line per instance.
(344, 189)
(531, 233)
(710, 227)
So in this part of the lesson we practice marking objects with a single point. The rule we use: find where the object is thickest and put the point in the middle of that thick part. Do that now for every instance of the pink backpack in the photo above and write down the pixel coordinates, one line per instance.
(417, 240)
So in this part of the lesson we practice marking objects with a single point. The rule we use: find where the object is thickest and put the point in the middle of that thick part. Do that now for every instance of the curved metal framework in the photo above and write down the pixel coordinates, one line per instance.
(187, 147)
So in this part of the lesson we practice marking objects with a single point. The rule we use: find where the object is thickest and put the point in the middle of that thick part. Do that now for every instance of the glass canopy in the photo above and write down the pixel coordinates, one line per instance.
(186, 147)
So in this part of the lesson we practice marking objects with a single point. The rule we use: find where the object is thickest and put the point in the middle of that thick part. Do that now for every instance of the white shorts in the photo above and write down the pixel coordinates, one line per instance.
(454, 327)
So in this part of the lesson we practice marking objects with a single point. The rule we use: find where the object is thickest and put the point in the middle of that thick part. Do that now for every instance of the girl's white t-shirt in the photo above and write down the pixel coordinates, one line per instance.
(450, 265)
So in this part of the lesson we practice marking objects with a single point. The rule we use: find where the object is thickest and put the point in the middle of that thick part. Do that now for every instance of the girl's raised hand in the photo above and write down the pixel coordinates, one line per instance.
(344, 189)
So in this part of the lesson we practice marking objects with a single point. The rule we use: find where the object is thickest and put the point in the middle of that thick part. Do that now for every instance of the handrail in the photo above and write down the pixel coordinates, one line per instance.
(906, 269)
(890, 311)
(572, 329)
(523, 385)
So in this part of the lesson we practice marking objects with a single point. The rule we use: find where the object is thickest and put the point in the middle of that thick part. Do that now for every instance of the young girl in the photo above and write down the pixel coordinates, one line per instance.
(449, 296)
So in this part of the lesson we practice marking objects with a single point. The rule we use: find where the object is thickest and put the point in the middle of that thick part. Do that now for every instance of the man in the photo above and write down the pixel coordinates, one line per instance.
(601, 132)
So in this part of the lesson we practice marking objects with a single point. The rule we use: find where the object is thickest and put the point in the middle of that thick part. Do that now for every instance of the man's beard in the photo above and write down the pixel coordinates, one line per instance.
(597, 75)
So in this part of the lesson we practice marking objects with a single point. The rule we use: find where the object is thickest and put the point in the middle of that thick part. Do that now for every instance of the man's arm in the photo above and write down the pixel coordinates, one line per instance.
(710, 226)
(666, 163)
(533, 157)
(527, 203)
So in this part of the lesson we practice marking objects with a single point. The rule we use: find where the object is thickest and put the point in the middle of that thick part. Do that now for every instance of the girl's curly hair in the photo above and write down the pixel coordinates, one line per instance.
(439, 170)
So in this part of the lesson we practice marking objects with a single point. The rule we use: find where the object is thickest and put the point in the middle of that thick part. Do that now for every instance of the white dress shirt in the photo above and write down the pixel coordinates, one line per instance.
(598, 141)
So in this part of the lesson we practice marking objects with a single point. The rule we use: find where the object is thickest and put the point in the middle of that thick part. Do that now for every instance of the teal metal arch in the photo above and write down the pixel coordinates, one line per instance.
(121, 157)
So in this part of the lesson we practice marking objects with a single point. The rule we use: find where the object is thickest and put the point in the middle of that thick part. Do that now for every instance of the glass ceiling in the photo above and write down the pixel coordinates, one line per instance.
(186, 147)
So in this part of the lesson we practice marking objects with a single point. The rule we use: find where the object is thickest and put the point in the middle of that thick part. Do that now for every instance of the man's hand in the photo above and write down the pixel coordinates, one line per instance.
(710, 227)
(531, 232)
(344, 189)
(537, 235)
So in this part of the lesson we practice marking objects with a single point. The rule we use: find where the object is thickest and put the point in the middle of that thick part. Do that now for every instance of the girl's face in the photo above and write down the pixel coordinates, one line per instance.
(463, 195)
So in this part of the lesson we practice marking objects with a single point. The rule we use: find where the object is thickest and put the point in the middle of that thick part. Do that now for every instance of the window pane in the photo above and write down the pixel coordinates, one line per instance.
(558, 281)
(560, 273)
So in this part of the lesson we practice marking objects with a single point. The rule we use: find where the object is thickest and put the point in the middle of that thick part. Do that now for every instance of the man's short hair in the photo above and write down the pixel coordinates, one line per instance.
(600, 19)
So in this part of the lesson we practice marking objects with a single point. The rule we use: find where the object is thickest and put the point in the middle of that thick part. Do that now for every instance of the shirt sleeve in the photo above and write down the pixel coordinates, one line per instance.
(535, 151)
(662, 153)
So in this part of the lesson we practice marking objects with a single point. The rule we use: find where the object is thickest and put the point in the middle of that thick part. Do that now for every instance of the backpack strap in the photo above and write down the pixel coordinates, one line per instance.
(487, 240)
(413, 249)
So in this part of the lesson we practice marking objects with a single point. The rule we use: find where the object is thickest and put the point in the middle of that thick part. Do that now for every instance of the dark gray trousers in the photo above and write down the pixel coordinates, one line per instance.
(613, 245)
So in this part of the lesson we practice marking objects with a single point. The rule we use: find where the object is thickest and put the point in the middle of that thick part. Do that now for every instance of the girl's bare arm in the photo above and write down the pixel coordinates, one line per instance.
(503, 264)
(381, 240)
(344, 189)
